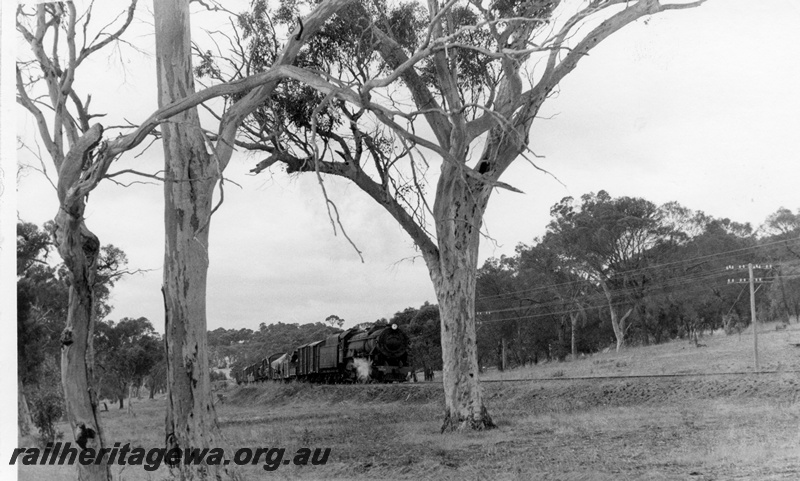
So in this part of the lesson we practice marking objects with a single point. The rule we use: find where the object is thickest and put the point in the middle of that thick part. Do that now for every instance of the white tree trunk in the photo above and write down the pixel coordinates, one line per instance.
(617, 324)
(190, 177)
(619, 333)
(80, 248)
(458, 213)
(24, 420)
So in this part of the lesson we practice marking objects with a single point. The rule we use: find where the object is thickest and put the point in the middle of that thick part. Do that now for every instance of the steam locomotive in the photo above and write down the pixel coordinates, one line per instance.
(378, 354)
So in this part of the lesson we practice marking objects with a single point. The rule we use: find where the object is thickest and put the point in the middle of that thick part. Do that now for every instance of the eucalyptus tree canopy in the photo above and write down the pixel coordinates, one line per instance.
(127, 352)
(614, 241)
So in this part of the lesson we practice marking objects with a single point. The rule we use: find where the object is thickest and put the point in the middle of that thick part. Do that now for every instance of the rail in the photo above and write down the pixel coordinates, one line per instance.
(632, 376)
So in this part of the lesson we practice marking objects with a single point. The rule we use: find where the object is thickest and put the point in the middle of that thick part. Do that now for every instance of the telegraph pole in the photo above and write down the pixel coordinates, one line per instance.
(754, 319)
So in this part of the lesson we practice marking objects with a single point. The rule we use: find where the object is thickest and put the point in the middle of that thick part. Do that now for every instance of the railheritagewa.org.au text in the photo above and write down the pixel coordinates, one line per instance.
(152, 458)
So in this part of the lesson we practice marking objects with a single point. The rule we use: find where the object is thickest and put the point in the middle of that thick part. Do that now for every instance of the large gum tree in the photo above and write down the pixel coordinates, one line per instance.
(385, 90)
(45, 77)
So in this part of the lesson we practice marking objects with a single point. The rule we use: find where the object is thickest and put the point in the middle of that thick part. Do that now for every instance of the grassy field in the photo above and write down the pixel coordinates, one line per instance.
(728, 427)
(734, 353)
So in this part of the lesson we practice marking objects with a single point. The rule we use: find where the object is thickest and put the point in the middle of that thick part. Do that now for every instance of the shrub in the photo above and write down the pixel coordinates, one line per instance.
(47, 407)
(732, 324)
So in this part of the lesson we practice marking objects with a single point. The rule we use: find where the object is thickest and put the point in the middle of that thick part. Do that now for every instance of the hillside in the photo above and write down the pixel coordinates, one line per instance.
(720, 353)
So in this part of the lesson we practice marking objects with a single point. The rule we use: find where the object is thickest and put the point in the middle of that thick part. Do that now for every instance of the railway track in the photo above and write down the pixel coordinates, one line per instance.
(634, 376)
(582, 392)
(543, 395)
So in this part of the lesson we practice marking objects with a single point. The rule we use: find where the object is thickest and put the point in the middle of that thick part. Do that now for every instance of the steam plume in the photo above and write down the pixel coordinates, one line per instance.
(363, 368)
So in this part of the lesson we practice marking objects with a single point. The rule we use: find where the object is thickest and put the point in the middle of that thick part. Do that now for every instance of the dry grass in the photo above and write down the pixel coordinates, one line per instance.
(722, 353)
(736, 427)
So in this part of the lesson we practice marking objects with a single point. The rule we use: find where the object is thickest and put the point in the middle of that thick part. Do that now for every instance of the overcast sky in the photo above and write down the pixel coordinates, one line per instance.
(699, 106)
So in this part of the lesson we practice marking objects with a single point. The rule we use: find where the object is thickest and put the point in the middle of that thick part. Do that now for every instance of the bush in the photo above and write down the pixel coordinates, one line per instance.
(47, 407)
(732, 324)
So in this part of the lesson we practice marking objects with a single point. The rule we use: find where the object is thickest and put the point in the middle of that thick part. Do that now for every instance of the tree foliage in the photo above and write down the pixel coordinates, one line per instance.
(127, 353)
(334, 321)
(612, 241)
(422, 327)
(42, 305)
(668, 262)
(43, 296)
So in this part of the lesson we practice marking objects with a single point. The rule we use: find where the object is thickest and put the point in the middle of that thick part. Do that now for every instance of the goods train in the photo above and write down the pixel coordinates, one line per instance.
(377, 354)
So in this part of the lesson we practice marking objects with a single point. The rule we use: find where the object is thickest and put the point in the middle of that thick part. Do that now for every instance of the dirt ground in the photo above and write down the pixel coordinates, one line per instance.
(742, 427)
(685, 428)
(721, 427)
(545, 395)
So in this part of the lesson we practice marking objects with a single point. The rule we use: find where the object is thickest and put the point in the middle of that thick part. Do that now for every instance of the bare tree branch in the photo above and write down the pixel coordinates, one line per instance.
(93, 47)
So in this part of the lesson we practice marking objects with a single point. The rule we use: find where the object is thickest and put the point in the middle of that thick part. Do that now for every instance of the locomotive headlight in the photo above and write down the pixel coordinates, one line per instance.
(394, 326)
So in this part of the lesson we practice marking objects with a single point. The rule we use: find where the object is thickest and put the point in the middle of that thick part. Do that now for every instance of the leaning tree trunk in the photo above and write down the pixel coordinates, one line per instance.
(189, 182)
(79, 249)
(617, 323)
(618, 332)
(458, 211)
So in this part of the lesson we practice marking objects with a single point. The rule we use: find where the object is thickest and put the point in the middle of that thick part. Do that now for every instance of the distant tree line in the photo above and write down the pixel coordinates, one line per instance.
(128, 354)
(618, 271)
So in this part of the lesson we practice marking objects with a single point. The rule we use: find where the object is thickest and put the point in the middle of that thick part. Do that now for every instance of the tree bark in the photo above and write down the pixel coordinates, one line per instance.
(24, 420)
(190, 177)
(130, 397)
(619, 333)
(79, 248)
(617, 323)
(458, 213)
(573, 317)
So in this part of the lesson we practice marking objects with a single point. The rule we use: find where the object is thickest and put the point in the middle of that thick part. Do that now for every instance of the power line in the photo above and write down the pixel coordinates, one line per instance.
(686, 281)
(569, 311)
(690, 279)
(657, 266)
(643, 376)
(535, 289)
